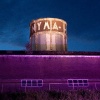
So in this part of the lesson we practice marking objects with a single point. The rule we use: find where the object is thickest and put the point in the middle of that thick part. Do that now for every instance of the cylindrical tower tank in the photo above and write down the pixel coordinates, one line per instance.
(48, 34)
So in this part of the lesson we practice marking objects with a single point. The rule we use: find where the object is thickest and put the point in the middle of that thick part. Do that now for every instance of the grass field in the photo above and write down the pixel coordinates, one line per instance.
(52, 95)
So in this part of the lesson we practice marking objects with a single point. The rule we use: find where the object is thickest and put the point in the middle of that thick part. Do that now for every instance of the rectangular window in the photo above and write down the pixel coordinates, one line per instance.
(40, 83)
(70, 85)
(34, 82)
(80, 85)
(28, 82)
(31, 83)
(78, 82)
(23, 83)
(86, 85)
(70, 81)
(85, 82)
(75, 85)
(75, 81)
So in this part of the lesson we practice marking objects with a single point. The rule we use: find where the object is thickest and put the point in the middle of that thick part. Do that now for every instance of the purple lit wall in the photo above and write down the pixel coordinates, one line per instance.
(49, 66)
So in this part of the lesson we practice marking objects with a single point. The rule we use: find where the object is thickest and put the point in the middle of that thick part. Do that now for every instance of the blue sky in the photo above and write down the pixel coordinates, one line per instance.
(82, 16)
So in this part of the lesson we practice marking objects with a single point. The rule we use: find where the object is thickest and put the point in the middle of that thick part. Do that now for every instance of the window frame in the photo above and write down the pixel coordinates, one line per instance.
(78, 84)
(26, 84)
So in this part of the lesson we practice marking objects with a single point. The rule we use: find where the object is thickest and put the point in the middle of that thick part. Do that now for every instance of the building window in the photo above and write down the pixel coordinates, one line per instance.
(28, 82)
(40, 83)
(23, 83)
(32, 83)
(78, 82)
(85, 82)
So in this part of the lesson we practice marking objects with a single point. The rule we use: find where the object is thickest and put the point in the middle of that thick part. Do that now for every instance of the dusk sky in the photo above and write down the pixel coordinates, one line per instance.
(82, 17)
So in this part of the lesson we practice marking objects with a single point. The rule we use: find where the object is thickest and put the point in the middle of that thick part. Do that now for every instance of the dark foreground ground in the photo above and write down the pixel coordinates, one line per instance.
(9, 52)
(52, 95)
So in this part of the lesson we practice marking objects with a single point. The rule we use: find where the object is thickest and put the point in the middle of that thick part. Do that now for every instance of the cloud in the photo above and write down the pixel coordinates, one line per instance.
(8, 46)
(78, 44)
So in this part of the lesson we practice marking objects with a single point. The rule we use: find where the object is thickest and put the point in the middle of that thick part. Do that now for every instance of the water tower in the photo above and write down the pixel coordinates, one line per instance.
(48, 34)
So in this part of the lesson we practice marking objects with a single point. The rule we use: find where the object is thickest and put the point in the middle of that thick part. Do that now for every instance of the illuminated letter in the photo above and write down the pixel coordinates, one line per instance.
(46, 25)
(39, 24)
(34, 28)
(55, 26)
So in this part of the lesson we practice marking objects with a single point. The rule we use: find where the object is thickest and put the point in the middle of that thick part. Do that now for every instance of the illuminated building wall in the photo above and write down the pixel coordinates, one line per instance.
(48, 72)
(48, 34)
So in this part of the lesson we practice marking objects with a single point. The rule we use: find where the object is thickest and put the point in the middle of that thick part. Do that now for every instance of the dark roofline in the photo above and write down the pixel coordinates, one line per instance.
(9, 52)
